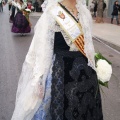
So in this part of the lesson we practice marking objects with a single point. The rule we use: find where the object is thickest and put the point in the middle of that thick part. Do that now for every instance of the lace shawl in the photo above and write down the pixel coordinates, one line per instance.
(38, 61)
(20, 7)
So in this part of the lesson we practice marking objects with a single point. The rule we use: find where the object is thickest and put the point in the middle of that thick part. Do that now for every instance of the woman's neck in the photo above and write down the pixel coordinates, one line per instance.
(69, 2)
(71, 6)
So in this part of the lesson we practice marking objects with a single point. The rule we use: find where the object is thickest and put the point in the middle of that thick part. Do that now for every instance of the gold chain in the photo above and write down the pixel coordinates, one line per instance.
(71, 9)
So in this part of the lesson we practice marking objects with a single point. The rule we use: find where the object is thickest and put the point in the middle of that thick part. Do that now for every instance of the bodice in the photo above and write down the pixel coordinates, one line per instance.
(59, 42)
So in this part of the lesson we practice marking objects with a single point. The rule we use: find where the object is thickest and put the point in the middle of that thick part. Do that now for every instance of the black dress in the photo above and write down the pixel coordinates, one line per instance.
(20, 23)
(74, 86)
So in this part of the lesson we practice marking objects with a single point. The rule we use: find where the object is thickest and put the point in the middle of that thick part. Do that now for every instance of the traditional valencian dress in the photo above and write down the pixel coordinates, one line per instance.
(21, 22)
(73, 84)
(69, 87)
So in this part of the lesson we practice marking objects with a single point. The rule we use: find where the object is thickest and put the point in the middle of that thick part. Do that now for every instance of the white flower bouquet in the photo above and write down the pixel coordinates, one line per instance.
(26, 13)
(103, 69)
(28, 10)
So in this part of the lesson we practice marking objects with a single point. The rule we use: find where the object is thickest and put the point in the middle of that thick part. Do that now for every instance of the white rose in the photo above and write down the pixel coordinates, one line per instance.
(28, 10)
(104, 70)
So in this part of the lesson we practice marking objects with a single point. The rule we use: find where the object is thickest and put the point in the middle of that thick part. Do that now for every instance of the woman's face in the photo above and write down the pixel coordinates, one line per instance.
(116, 3)
(20, 1)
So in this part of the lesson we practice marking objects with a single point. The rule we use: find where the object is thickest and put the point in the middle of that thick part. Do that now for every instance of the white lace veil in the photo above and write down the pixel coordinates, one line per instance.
(39, 59)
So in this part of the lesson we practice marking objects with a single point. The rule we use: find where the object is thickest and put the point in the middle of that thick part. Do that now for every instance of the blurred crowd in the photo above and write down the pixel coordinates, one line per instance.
(97, 9)
(33, 6)
(19, 11)
(2, 3)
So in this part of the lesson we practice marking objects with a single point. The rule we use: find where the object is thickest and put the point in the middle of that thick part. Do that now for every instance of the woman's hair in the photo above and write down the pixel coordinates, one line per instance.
(115, 2)
(21, 1)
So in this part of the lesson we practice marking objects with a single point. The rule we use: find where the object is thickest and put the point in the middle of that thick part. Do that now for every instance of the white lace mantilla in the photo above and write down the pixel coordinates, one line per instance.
(39, 59)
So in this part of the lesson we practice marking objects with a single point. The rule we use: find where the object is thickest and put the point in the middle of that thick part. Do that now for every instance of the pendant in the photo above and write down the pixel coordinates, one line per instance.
(72, 11)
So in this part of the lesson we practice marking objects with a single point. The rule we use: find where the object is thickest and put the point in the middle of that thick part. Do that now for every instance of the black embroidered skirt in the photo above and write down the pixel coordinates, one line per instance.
(74, 88)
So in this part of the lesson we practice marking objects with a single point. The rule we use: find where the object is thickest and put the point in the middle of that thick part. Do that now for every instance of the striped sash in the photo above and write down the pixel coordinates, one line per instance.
(79, 42)
(70, 26)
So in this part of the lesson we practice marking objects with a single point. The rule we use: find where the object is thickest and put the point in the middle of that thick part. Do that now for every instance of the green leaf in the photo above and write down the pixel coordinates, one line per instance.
(100, 56)
(105, 84)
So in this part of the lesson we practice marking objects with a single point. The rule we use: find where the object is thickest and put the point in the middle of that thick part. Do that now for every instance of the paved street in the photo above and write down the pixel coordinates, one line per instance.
(13, 49)
(111, 96)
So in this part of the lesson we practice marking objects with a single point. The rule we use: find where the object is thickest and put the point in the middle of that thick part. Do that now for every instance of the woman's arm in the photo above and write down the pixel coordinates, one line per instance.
(14, 3)
(20, 7)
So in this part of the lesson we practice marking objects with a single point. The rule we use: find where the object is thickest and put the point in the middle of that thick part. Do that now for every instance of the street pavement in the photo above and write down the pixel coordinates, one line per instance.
(13, 49)
(108, 32)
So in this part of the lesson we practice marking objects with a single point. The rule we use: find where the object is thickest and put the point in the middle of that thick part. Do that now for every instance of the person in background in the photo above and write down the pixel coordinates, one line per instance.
(95, 8)
(2, 2)
(21, 23)
(9, 6)
(29, 5)
(92, 7)
(37, 5)
(99, 18)
(14, 11)
(116, 8)
(104, 5)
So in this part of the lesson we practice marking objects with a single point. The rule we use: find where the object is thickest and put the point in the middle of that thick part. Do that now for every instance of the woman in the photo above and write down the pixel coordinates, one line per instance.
(95, 8)
(100, 10)
(92, 7)
(2, 2)
(14, 10)
(58, 80)
(9, 6)
(116, 8)
(21, 23)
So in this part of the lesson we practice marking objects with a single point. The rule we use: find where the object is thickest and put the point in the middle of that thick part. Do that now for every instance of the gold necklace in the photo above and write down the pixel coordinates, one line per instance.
(71, 9)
